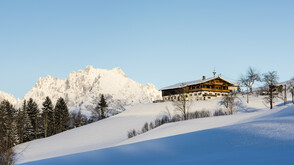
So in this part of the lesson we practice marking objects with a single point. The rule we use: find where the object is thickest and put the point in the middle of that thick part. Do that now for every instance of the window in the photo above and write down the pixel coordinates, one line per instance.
(190, 94)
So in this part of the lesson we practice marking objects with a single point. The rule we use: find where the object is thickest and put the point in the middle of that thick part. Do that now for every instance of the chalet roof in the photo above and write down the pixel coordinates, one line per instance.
(183, 84)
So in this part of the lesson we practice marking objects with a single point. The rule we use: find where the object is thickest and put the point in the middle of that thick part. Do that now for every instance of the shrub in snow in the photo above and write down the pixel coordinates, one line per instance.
(198, 114)
(145, 128)
(132, 133)
(220, 113)
(151, 125)
(157, 122)
(165, 119)
(176, 118)
(204, 113)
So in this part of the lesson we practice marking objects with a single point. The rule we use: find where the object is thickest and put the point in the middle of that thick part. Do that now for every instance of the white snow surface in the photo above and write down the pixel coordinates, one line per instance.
(112, 131)
(82, 89)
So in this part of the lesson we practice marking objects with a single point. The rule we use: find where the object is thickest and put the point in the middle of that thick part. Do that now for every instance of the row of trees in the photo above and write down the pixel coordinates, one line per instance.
(29, 122)
(168, 119)
(270, 79)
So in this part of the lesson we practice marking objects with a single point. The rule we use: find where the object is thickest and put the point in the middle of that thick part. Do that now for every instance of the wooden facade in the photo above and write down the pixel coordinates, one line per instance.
(200, 90)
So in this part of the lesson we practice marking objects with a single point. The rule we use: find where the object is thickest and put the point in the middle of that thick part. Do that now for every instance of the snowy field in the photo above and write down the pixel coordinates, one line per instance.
(254, 134)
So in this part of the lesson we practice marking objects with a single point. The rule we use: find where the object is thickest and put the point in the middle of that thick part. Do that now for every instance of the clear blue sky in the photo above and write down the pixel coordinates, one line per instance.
(157, 41)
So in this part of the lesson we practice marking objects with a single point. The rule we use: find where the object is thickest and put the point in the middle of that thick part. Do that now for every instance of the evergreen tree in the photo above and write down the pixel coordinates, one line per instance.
(8, 127)
(28, 128)
(101, 109)
(33, 113)
(20, 125)
(77, 119)
(62, 119)
(48, 117)
(24, 126)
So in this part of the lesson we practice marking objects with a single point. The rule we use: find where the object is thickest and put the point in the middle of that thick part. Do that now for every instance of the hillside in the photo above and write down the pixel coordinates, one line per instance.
(113, 131)
(266, 139)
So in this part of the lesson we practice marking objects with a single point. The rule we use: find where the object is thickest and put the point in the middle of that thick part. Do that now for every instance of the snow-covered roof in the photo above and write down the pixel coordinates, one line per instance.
(236, 84)
(195, 82)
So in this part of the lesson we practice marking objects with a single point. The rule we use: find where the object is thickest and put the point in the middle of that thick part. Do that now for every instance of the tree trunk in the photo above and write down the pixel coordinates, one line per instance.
(285, 95)
(45, 125)
(271, 96)
(293, 97)
(184, 106)
(247, 96)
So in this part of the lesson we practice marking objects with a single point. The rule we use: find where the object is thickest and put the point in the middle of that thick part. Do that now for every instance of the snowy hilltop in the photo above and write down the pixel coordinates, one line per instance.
(82, 89)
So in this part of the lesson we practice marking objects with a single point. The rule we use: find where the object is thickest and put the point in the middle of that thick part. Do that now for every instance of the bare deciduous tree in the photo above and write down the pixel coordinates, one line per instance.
(182, 105)
(229, 102)
(249, 79)
(253, 76)
(168, 113)
(291, 90)
(245, 82)
(270, 78)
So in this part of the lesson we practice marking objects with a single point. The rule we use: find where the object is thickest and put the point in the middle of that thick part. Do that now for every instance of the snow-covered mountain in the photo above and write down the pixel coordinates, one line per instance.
(288, 82)
(82, 89)
(8, 97)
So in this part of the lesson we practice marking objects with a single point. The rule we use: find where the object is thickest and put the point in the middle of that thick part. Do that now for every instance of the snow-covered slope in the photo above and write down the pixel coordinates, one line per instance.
(83, 88)
(267, 138)
(113, 131)
(8, 97)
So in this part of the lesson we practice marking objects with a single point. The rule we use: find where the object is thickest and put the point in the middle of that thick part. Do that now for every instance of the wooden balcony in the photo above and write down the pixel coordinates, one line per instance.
(209, 89)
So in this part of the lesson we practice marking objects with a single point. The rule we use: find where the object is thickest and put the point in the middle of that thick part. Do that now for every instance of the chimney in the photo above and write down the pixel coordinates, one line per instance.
(203, 78)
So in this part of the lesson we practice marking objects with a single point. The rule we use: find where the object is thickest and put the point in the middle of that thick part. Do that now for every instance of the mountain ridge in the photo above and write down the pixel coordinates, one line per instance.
(82, 89)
